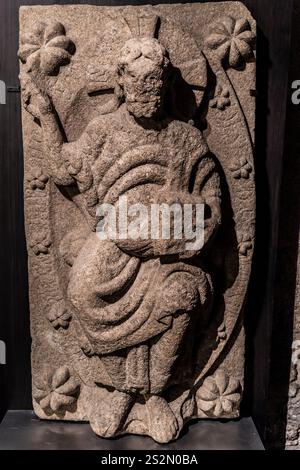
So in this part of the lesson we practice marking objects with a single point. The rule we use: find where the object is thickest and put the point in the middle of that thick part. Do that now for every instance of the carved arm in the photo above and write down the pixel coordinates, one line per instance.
(38, 104)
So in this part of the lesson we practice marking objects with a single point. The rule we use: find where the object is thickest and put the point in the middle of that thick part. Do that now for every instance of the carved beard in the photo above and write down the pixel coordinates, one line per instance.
(144, 108)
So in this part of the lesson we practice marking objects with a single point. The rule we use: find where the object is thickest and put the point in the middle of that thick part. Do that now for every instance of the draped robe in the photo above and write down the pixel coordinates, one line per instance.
(128, 293)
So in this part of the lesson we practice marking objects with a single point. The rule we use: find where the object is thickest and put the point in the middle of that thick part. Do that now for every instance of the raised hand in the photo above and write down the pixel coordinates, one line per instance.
(35, 101)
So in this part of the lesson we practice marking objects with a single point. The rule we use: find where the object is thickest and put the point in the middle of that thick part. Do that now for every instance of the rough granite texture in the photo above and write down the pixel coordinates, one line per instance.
(293, 409)
(155, 103)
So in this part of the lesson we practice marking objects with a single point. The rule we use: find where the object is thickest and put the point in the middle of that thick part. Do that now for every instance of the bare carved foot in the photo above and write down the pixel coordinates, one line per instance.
(109, 415)
(163, 425)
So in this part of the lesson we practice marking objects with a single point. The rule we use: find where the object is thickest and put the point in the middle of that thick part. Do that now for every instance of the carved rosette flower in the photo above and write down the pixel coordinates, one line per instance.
(60, 315)
(241, 169)
(40, 243)
(232, 40)
(57, 392)
(46, 48)
(245, 245)
(37, 179)
(219, 395)
(221, 99)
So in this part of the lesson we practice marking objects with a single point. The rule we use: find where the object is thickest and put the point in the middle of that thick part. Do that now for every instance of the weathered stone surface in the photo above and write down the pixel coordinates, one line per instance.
(293, 414)
(155, 103)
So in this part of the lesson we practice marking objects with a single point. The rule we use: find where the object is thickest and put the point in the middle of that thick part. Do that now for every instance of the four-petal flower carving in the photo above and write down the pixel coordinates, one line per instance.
(241, 169)
(41, 243)
(60, 315)
(57, 391)
(37, 179)
(219, 395)
(221, 99)
(46, 48)
(233, 41)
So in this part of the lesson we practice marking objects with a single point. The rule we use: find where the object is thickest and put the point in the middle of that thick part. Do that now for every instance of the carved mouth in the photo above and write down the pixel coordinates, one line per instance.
(144, 100)
(140, 109)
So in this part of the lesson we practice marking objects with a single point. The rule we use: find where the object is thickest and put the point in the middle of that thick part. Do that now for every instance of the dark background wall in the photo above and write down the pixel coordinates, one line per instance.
(274, 35)
(288, 252)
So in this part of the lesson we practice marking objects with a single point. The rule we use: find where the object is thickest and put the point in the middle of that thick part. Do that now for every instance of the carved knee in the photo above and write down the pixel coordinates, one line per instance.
(179, 293)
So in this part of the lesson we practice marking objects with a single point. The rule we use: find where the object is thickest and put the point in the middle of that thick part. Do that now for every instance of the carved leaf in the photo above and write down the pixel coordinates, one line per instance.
(26, 50)
(52, 58)
(227, 405)
(60, 377)
(69, 388)
(59, 401)
(215, 40)
(221, 381)
(232, 386)
(59, 41)
(206, 405)
(211, 385)
(52, 30)
(244, 48)
(229, 24)
(206, 394)
(45, 402)
(40, 394)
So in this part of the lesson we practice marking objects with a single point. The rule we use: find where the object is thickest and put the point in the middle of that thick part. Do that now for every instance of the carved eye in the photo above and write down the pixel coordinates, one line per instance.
(120, 70)
(132, 74)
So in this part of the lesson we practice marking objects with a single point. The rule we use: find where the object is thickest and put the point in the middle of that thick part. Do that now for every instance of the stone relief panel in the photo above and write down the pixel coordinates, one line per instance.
(155, 103)
(293, 409)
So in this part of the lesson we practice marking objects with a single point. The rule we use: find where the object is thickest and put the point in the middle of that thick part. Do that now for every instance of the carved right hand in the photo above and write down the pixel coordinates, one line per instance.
(35, 101)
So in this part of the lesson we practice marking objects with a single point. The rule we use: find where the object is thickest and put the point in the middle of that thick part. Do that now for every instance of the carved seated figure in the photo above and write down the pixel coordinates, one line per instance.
(138, 301)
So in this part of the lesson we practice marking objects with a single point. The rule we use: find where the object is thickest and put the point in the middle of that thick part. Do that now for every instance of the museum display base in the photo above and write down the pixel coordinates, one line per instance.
(22, 430)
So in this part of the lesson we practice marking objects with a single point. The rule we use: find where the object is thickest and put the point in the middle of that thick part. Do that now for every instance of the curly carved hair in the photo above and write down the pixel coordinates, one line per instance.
(149, 48)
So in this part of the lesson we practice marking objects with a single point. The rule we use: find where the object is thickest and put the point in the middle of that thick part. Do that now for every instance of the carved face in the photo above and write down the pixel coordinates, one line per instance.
(143, 86)
(142, 76)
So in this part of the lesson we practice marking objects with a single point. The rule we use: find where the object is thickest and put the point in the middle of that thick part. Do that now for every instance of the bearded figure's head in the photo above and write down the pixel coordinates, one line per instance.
(142, 75)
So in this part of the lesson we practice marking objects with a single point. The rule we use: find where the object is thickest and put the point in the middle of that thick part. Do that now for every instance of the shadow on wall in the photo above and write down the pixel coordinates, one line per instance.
(270, 310)
(288, 252)
(256, 345)
(270, 307)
